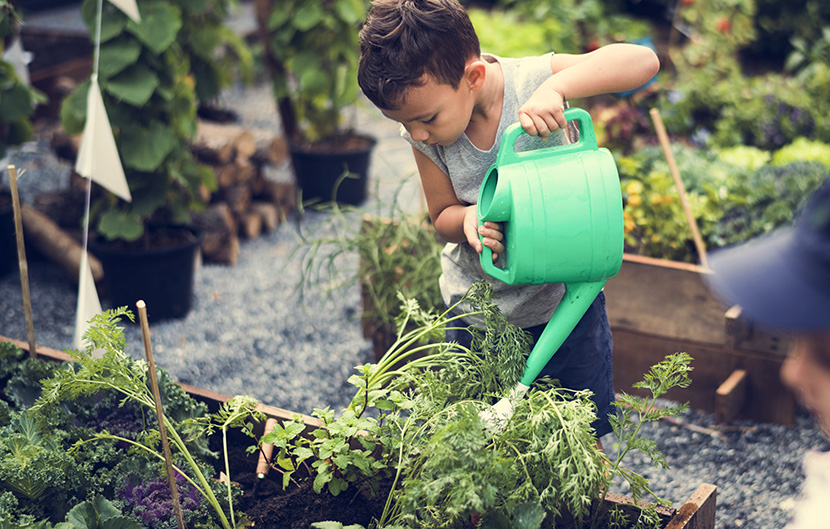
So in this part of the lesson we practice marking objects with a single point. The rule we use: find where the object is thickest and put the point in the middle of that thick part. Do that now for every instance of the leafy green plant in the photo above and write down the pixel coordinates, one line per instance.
(35, 467)
(117, 372)
(767, 200)
(802, 150)
(146, 84)
(96, 513)
(314, 46)
(397, 252)
(670, 373)
(570, 26)
(17, 100)
(217, 55)
(733, 195)
(415, 420)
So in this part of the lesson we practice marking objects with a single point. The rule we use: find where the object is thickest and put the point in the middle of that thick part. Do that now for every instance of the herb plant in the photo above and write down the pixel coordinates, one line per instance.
(398, 252)
(413, 431)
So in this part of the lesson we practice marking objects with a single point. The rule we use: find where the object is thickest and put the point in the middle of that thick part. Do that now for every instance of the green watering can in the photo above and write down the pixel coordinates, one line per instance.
(561, 211)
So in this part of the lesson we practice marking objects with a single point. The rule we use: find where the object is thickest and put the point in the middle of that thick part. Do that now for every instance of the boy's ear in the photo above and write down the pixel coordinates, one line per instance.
(474, 74)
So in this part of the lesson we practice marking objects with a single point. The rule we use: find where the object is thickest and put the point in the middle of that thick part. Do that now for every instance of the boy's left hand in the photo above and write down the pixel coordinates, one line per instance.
(491, 233)
(544, 112)
(493, 238)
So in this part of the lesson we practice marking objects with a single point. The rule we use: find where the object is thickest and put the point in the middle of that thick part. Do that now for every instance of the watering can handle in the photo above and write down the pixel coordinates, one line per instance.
(587, 140)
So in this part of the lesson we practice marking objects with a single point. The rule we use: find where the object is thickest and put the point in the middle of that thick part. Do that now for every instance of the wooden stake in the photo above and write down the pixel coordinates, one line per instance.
(154, 386)
(22, 263)
(681, 190)
(263, 464)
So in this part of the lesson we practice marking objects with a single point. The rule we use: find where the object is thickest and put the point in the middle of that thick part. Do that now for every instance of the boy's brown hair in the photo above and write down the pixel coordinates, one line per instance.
(402, 40)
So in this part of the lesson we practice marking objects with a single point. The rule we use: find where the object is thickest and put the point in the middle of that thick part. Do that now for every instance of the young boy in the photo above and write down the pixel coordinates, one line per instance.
(421, 65)
(783, 282)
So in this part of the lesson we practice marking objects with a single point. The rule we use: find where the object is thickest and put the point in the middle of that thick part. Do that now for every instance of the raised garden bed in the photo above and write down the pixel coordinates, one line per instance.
(269, 507)
(656, 307)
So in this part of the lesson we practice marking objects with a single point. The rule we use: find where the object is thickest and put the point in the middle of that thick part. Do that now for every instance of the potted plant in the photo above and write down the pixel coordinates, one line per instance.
(398, 255)
(17, 105)
(312, 52)
(148, 91)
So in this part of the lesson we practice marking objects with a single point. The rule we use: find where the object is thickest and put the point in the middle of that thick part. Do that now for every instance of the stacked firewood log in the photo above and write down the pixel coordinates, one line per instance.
(246, 202)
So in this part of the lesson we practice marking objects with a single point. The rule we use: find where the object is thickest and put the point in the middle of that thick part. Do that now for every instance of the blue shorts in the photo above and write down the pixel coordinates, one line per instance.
(584, 361)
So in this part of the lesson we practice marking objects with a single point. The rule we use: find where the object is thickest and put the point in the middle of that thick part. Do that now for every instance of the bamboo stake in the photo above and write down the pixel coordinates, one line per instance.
(154, 385)
(22, 262)
(681, 190)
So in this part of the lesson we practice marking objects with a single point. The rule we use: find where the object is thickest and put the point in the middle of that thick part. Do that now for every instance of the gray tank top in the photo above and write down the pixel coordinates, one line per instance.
(466, 165)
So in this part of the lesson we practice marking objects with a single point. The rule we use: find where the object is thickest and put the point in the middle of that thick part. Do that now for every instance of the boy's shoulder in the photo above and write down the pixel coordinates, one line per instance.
(524, 74)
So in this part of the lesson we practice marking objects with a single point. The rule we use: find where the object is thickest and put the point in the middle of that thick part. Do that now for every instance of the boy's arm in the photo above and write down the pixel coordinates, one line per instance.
(453, 220)
(610, 69)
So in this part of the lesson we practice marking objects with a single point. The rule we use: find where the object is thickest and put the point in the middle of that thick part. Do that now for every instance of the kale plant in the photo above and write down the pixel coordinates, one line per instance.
(152, 503)
(117, 372)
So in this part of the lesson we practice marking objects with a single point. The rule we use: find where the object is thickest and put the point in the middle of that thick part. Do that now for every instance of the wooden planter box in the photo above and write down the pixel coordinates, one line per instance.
(658, 307)
(697, 512)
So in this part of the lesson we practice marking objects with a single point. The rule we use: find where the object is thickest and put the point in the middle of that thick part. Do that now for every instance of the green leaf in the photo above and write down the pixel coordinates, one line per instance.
(528, 516)
(15, 103)
(134, 86)
(99, 513)
(116, 224)
(160, 23)
(144, 148)
(113, 20)
(350, 11)
(278, 18)
(73, 109)
(308, 16)
(116, 55)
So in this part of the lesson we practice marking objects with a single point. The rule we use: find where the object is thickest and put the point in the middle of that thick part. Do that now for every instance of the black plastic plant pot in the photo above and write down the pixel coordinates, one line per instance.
(8, 242)
(320, 175)
(162, 277)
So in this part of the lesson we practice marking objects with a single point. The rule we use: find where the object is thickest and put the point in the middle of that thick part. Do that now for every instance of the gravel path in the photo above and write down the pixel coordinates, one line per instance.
(248, 333)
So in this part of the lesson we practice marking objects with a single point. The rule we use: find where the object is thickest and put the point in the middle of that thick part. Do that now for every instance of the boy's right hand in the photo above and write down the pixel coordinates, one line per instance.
(491, 233)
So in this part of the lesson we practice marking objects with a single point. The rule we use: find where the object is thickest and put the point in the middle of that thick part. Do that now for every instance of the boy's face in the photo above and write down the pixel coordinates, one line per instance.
(435, 114)
(807, 371)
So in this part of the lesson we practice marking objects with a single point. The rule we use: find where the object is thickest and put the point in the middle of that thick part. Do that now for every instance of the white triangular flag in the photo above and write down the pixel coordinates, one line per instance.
(128, 7)
(98, 156)
(20, 59)
(88, 302)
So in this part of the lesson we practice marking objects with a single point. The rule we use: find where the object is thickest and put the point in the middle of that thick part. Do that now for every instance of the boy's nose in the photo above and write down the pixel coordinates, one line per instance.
(419, 134)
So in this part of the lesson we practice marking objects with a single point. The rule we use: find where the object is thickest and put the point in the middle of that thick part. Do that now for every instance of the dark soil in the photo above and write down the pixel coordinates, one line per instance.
(154, 238)
(347, 142)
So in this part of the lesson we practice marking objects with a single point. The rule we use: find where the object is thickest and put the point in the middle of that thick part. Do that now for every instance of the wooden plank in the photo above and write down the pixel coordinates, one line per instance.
(730, 397)
(635, 353)
(205, 395)
(736, 328)
(672, 300)
(699, 511)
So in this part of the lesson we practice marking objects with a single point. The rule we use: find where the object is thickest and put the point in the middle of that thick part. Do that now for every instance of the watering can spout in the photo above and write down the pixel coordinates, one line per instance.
(578, 297)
